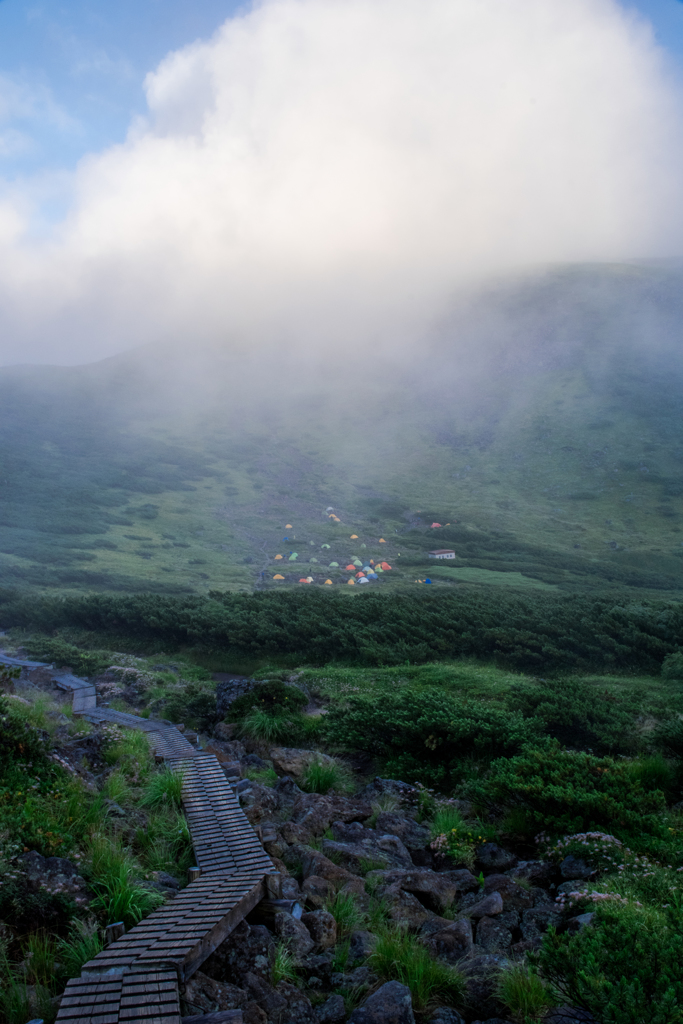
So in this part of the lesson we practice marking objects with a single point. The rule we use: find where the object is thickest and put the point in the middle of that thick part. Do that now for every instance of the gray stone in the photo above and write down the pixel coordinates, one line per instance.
(453, 942)
(413, 836)
(333, 1011)
(482, 976)
(322, 928)
(392, 787)
(361, 945)
(566, 887)
(296, 761)
(515, 896)
(265, 995)
(294, 933)
(258, 803)
(299, 1009)
(287, 791)
(204, 995)
(438, 889)
(538, 872)
(290, 888)
(317, 891)
(492, 936)
(577, 924)
(491, 857)
(488, 907)
(446, 1015)
(248, 949)
(388, 851)
(575, 867)
(315, 863)
(538, 920)
(390, 1004)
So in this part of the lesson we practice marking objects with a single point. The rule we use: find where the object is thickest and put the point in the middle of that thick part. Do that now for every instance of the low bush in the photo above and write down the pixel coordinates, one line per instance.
(323, 776)
(525, 995)
(83, 943)
(269, 726)
(119, 896)
(164, 788)
(62, 654)
(194, 705)
(346, 912)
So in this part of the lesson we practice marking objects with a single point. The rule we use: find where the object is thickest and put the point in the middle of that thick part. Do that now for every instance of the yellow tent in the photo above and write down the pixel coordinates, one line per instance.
(352, 583)
(289, 526)
(328, 581)
(354, 536)
(278, 557)
(382, 540)
(277, 576)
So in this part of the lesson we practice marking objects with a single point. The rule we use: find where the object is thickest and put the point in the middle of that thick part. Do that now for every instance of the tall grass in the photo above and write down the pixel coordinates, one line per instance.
(346, 912)
(398, 956)
(84, 942)
(164, 788)
(524, 994)
(269, 726)
(284, 964)
(446, 818)
(165, 843)
(323, 776)
(121, 897)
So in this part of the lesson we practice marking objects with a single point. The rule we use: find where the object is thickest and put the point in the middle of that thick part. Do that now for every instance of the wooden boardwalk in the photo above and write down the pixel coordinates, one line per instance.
(139, 977)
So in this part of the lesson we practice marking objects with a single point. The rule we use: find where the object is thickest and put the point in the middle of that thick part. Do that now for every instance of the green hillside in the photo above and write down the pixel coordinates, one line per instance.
(542, 422)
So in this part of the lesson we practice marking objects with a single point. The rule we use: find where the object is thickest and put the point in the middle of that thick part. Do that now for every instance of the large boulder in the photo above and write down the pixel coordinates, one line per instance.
(333, 1011)
(401, 791)
(404, 908)
(296, 762)
(361, 945)
(491, 857)
(294, 933)
(299, 1009)
(415, 837)
(514, 896)
(312, 862)
(538, 872)
(258, 802)
(225, 750)
(390, 1004)
(263, 993)
(488, 907)
(482, 980)
(492, 935)
(452, 942)
(322, 928)
(316, 813)
(205, 995)
(437, 890)
(248, 949)
(371, 851)
(317, 891)
(538, 920)
(287, 792)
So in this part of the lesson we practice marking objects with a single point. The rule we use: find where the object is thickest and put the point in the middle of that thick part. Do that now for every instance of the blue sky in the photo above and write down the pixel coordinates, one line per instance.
(71, 72)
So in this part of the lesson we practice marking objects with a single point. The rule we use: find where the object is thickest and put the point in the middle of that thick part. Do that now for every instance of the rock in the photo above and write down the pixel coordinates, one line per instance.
(390, 1004)
(538, 872)
(333, 1011)
(258, 803)
(482, 975)
(414, 837)
(317, 891)
(265, 995)
(488, 907)
(168, 881)
(225, 730)
(294, 933)
(372, 851)
(315, 863)
(509, 919)
(248, 949)
(575, 867)
(355, 886)
(515, 897)
(568, 1015)
(348, 808)
(361, 945)
(225, 750)
(287, 791)
(566, 887)
(290, 888)
(294, 761)
(492, 936)
(322, 927)
(254, 761)
(491, 857)
(299, 1009)
(453, 942)
(445, 1015)
(538, 920)
(253, 1014)
(114, 810)
(392, 787)
(439, 890)
(64, 867)
(404, 908)
(206, 995)
(295, 835)
(577, 924)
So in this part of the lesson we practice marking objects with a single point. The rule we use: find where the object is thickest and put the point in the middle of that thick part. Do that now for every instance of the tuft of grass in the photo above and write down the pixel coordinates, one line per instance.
(340, 959)
(121, 897)
(654, 772)
(384, 804)
(83, 943)
(131, 754)
(524, 994)
(323, 776)
(39, 958)
(446, 818)
(164, 789)
(264, 776)
(399, 956)
(117, 788)
(346, 912)
(165, 843)
(284, 964)
(268, 726)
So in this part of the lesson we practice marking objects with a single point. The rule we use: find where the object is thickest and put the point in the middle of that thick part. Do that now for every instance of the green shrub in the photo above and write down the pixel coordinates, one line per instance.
(274, 696)
(563, 791)
(398, 956)
(120, 897)
(524, 994)
(268, 726)
(62, 654)
(284, 964)
(265, 776)
(194, 705)
(624, 969)
(446, 818)
(83, 943)
(672, 666)
(653, 773)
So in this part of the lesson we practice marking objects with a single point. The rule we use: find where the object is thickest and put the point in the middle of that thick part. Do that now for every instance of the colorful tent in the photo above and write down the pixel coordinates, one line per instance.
(312, 560)
(350, 567)
(354, 536)
(294, 555)
(328, 582)
(382, 540)
(372, 561)
(304, 581)
(378, 568)
(364, 580)
(433, 527)
(277, 576)
(386, 566)
(278, 557)
(310, 579)
(366, 568)
(363, 545)
(428, 581)
(372, 576)
(289, 526)
(334, 565)
(351, 583)
(360, 575)
(325, 546)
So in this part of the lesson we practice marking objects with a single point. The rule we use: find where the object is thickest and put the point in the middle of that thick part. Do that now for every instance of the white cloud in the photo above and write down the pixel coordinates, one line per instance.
(326, 172)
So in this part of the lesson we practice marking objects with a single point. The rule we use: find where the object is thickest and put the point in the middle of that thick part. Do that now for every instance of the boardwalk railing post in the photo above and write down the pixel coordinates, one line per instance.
(193, 874)
(114, 931)
(274, 885)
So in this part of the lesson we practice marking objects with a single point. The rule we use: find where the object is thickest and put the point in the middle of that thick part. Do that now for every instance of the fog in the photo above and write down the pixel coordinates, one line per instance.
(329, 179)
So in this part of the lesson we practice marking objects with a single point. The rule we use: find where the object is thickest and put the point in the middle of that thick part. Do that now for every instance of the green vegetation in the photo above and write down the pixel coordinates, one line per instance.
(345, 911)
(398, 956)
(323, 776)
(525, 995)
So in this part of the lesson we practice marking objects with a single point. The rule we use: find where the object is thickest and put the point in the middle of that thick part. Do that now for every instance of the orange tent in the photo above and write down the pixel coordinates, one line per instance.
(372, 561)
(304, 581)
(360, 575)
(385, 566)
(352, 583)
(277, 576)
(354, 536)
(328, 581)
(278, 557)
(434, 525)
(289, 526)
(350, 568)
(382, 540)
